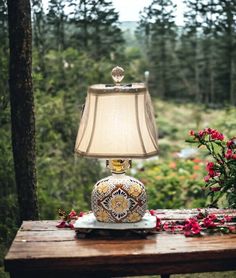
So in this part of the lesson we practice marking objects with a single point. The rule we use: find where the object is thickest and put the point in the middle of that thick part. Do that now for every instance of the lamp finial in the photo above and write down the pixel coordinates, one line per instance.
(117, 74)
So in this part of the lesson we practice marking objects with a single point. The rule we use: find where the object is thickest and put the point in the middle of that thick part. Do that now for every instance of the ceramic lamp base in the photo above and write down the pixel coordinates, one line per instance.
(119, 198)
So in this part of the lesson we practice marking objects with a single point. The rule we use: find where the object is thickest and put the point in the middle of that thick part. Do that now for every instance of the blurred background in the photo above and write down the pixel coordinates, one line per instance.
(185, 52)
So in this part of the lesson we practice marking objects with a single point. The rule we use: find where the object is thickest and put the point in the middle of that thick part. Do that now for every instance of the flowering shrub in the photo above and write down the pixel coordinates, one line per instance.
(221, 172)
(175, 183)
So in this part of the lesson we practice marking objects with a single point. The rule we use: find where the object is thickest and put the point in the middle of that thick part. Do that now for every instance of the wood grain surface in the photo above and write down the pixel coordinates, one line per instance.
(42, 250)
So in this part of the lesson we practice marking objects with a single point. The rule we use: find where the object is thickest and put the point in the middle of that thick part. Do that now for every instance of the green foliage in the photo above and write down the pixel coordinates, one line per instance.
(158, 30)
(173, 184)
(221, 176)
(195, 61)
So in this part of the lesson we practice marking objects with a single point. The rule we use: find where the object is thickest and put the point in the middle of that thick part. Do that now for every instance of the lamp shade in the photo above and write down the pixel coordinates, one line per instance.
(117, 122)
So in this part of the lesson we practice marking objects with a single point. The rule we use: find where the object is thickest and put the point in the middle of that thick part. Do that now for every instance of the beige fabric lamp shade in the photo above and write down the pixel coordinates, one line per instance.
(117, 122)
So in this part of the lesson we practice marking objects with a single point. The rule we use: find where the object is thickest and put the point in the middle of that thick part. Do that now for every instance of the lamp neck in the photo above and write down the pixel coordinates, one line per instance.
(118, 166)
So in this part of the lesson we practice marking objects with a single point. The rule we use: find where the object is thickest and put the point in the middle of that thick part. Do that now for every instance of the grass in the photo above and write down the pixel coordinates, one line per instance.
(174, 120)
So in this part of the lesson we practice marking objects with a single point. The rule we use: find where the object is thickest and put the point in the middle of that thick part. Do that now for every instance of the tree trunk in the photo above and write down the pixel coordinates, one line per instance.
(22, 106)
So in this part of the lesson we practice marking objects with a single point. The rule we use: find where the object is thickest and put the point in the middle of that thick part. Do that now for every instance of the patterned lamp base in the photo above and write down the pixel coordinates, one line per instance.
(120, 199)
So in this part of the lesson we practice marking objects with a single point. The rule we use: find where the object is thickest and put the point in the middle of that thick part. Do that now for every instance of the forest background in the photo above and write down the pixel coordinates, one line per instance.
(192, 80)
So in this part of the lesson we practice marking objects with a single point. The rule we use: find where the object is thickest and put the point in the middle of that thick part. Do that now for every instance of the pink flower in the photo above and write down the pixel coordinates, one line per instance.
(207, 178)
(62, 224)
(158, 223)
(208, 222)
(232, 229)
(201, 133)
(214, 134)
(65, 224)
(208, 130)
(234, 156)
(166, 226)
(192, 227)
(227, 218)
(152, 211)
(81, 214)
(72, 214)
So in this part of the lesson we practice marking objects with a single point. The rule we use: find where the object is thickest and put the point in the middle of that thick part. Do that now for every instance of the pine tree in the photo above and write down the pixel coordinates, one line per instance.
(39, 34)
(97, 30)
(159, 31)
(226, 34)
(192, 37)
(57, 19)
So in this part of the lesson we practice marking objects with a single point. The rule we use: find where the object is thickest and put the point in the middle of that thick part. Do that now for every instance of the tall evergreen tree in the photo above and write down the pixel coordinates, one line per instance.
(57, 19)
(191, 37)
(226, 34)
(159, 30)
(208, 12)
(97, 28)
(39, 34)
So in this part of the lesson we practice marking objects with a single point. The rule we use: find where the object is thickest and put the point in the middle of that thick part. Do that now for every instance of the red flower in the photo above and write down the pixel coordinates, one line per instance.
(62, 224)
(228, 154)
(158, 223)
(208, 222)
(208, 130)
(227, 218)
(232, 229)
(234, 156)
(152, 211)
(200, 215)
(72, 214)
(201, 133)
(191, 133)
(81, 214)
(230, 143)
(211, 171)
(210, 166)
(214, 134)
(166, 226)
(207, 178)
(192, 227)
(217, 135)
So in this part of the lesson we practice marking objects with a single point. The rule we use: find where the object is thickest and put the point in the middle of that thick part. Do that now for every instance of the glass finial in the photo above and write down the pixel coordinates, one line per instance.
(117, 74)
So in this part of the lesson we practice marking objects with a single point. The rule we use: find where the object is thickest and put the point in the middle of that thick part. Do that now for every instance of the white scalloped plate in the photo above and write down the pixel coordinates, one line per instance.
(88, 221)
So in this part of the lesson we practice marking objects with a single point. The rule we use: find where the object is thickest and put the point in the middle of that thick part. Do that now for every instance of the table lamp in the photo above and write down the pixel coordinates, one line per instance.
(118, 124)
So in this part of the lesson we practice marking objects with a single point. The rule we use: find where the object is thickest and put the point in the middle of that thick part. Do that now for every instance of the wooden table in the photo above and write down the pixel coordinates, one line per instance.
(42, 250)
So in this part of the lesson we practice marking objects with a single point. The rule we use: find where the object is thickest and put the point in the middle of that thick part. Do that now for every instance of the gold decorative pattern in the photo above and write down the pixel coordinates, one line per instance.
(103, 188)
(119, 198)
(135, 190)
(134, 217)
(119, 204)
(102, 216)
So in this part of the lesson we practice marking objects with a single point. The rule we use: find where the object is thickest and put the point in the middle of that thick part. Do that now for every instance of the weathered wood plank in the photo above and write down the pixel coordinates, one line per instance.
(155, 245)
